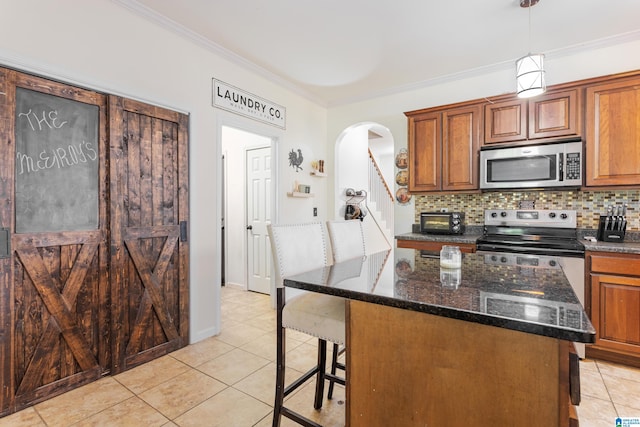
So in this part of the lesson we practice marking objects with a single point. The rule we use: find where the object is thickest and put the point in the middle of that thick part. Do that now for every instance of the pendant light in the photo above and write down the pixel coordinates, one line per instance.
(530, 79)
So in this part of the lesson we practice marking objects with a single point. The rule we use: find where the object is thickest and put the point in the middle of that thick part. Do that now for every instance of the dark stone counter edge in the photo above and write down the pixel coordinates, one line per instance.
(453, 238)
(468, 316)
(619, 248)
(629, 246)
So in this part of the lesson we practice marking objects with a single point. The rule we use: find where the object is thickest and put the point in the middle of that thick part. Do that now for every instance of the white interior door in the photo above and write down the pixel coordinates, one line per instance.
(258, 216)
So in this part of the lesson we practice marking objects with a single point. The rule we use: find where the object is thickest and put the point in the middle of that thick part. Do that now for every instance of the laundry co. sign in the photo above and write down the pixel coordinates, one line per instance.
(238, 101)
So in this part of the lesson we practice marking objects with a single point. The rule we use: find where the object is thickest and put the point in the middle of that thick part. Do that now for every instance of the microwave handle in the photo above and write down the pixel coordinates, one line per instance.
(560, 167)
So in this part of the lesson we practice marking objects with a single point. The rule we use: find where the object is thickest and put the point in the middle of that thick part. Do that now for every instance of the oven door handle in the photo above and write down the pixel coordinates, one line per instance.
(492, 247)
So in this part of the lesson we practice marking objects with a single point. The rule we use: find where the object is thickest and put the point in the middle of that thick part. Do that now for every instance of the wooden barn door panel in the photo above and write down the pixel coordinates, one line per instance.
(149, 213)
(7, 153)
(55, 284)
(60, 315)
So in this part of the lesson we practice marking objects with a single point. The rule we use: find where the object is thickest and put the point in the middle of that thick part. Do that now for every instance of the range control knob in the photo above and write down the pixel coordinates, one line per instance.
(503, 214)
(563, 215)
(494, 258)
(552, 214)
(503, 259)
(494, 214)
(552, 263)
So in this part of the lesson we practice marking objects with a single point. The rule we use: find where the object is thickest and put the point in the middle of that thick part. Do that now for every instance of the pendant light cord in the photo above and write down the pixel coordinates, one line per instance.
(529, 27)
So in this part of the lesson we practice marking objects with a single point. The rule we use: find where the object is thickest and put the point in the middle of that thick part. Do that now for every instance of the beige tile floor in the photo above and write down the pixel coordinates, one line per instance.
(228, 381)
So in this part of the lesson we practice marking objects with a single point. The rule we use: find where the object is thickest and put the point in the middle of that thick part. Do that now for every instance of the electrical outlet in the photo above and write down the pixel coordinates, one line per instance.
(315, 211)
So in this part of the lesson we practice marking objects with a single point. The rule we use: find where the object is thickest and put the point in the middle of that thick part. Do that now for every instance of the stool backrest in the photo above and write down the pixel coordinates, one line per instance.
(297, 248)
(347, 239)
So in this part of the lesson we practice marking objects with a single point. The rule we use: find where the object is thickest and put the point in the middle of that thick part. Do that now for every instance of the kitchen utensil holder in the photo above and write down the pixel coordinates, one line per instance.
(609, 235)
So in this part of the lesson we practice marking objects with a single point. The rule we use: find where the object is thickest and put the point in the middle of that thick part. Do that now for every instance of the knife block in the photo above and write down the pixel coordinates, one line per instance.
(609, 235)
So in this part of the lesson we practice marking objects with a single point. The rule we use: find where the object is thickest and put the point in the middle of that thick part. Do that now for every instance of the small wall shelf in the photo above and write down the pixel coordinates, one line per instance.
(298, 194)
(319, 174)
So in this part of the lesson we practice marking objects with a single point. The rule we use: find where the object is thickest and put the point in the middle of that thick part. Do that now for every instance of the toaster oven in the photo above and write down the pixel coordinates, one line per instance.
(442, 222)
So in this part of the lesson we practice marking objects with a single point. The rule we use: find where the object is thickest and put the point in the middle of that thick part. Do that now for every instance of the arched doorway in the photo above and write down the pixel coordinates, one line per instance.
(364, 156)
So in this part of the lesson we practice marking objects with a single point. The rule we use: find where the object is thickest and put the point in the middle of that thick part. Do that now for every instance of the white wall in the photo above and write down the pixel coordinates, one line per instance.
(388, 110)
(101, 45)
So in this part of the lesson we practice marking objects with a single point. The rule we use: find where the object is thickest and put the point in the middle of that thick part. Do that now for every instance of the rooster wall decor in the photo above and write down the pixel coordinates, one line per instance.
(295, 160)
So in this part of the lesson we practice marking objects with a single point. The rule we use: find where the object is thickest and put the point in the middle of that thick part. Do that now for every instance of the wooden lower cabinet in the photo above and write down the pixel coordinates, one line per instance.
(407, 368)
(614, 294)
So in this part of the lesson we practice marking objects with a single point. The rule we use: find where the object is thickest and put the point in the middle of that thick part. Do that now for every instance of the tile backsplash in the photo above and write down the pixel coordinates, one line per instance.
(588, 204)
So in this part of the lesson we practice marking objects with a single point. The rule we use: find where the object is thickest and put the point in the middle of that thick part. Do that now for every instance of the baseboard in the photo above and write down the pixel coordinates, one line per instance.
(238, 286)
(204, 334)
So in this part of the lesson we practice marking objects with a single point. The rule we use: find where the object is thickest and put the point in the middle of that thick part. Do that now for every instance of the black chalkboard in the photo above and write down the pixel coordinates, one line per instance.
(56, 163)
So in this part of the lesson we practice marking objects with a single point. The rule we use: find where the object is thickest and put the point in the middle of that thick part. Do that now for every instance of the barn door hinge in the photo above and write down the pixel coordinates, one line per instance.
(183, 231)
(5, 243)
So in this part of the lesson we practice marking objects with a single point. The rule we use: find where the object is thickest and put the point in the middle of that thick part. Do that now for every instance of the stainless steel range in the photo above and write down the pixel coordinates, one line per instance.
(538, 232)
(534, 238)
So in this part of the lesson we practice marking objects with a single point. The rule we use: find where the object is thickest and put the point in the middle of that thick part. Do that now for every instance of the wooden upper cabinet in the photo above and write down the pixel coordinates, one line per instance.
(505, 121)
(613, 133)
(444, 141)
(424, 152)
(460, 144)
(555, 114)
(443, 149)
(552, 115)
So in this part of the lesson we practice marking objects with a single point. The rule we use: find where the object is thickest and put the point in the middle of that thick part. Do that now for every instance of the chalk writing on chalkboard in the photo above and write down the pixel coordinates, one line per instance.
(56, 163)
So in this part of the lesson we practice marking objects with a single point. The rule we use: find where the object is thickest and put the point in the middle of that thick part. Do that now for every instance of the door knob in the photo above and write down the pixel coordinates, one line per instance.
(249, 227)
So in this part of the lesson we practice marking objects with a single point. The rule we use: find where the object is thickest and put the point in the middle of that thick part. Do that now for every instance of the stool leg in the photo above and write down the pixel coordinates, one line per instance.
(334, 367)
(280, 360)
(322, 366)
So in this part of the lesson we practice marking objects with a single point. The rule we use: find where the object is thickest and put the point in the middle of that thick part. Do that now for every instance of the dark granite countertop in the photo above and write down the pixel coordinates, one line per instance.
(631, 244)
(533, 300)
(621, 248)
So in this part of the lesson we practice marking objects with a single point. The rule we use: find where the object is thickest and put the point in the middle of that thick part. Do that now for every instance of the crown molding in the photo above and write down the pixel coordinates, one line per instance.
(171, 25)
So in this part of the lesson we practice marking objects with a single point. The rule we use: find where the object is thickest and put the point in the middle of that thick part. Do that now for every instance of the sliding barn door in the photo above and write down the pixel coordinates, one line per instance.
(149, 232)
(54, 295)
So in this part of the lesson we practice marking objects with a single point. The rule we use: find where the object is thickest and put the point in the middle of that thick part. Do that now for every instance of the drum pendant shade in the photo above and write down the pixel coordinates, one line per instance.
(530, 79)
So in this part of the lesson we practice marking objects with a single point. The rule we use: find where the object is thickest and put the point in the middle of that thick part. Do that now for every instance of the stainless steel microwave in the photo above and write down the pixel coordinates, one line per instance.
(532, 166)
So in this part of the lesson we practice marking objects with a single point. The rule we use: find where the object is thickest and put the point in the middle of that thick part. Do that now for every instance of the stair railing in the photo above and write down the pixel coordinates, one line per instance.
(379, 191)
(381, 195)
(377, 263)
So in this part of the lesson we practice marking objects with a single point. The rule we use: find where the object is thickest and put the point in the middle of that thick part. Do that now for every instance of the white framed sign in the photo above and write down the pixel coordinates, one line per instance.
(241, 102)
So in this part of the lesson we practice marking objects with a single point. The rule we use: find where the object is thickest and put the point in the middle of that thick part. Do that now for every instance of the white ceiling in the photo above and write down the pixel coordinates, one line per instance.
(339, 51)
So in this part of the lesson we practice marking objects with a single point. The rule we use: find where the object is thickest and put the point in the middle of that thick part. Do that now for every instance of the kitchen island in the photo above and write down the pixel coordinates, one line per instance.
(486, 345)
